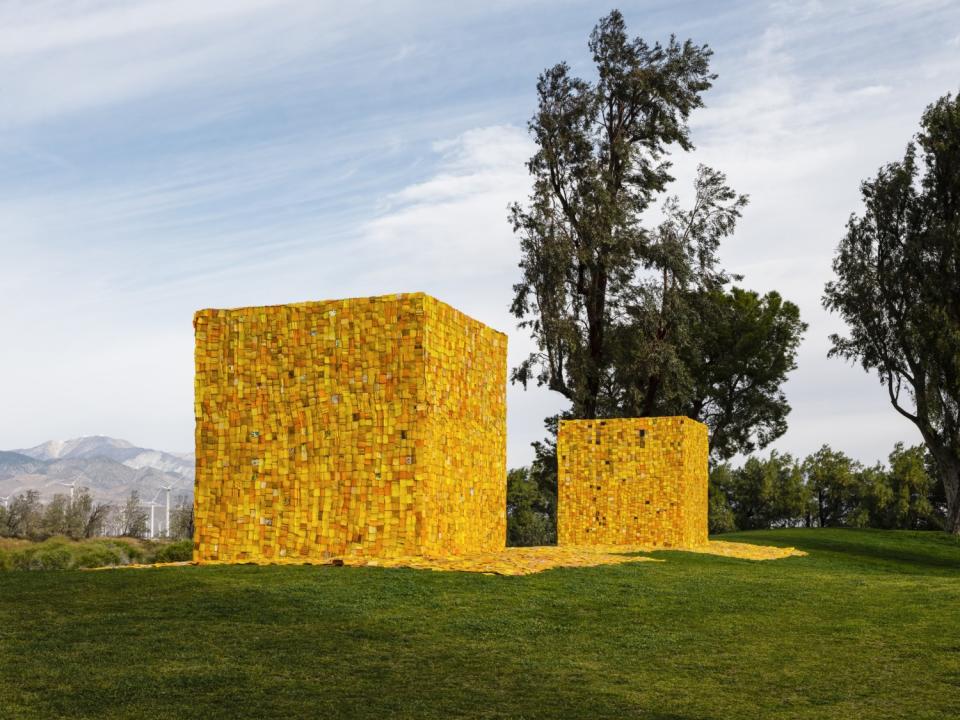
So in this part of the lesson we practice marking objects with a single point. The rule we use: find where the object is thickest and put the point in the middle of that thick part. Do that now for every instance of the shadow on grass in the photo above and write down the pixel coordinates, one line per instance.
(891, 551)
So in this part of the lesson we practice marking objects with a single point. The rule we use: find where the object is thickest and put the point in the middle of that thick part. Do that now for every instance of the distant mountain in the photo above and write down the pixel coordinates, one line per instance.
(14, 462)
(109, 467)
(119, 450)
(81, 447)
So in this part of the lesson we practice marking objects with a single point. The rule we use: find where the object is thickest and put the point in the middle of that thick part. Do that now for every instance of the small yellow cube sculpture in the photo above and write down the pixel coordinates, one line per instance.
(371, 426)
(632, 481)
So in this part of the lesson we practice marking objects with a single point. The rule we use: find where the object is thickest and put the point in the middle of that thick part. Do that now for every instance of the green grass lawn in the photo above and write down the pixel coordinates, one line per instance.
(867, 626)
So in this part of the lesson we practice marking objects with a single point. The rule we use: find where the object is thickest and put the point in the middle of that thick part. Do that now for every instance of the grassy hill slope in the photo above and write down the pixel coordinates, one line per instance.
(867, 626)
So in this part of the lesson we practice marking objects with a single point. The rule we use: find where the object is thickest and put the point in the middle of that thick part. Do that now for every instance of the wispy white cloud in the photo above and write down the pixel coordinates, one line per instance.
(32, 27)
(872, 91)
(449, 233)
(58, 59)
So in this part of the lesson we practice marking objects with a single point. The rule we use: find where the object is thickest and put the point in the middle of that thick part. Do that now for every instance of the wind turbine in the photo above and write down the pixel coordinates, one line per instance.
(152, 505)
(166, 527)
(73, 489)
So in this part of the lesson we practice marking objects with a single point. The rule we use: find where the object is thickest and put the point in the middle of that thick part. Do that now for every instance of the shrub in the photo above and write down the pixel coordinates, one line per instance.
(54, 558)
(99, 554)
(59, 553)
(180, 551)
(131, 550)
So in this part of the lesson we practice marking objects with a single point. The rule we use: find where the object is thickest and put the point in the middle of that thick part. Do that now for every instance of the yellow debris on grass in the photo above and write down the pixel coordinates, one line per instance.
(530, 560)
(741, 551)
(746, 551)
(140, 566)
(510, 561)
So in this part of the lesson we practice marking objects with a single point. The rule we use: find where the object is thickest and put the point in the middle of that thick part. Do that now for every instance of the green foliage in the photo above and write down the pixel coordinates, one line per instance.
(62, 553)
(98, 555)
(29, 518)
(598, 165)
(542, 474)
(86, 518)
(897, 287)
(531, 516)
(24, 517)
(133, 518)
(52, 558)
(132, 551)
(654, 343)
(720, 517)
(76, 518)
(181, 519)
(52, 554)
(631, 320)
(54, 520)
(828, 489)
(832, 480)
(838, 634)
(765, 493)
(746, 345)
(903, 497)
(179, 551)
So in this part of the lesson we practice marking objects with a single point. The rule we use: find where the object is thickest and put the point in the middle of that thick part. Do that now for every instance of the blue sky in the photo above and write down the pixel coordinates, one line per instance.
(159, 157)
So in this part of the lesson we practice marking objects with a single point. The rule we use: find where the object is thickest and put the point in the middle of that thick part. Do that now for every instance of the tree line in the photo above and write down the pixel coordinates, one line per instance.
(828, 489)
(27, 516)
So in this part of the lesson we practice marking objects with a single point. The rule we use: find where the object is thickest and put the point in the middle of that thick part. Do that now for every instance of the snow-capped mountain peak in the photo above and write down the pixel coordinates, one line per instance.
(109, 467)
(89, 446)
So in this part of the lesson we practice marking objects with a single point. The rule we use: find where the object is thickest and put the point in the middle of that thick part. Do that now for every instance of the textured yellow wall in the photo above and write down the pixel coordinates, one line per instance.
(632, 481)
(370, 426)
(466, 388)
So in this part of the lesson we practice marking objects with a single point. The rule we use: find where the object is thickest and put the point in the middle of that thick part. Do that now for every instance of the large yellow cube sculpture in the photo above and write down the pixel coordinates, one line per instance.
(372, 426)
(632, 481)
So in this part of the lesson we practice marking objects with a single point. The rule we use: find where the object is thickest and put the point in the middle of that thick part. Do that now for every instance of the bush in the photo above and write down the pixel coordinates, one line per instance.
(128, 550)
(100, 554)
(180, 551)
(59, 553)
(20, 559)
(45, 556)
(53, 558)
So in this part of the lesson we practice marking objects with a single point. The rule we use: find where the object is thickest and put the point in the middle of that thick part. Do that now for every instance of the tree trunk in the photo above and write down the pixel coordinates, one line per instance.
(590, 404)
(953, 518)
(596, 303)
(951, 486)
